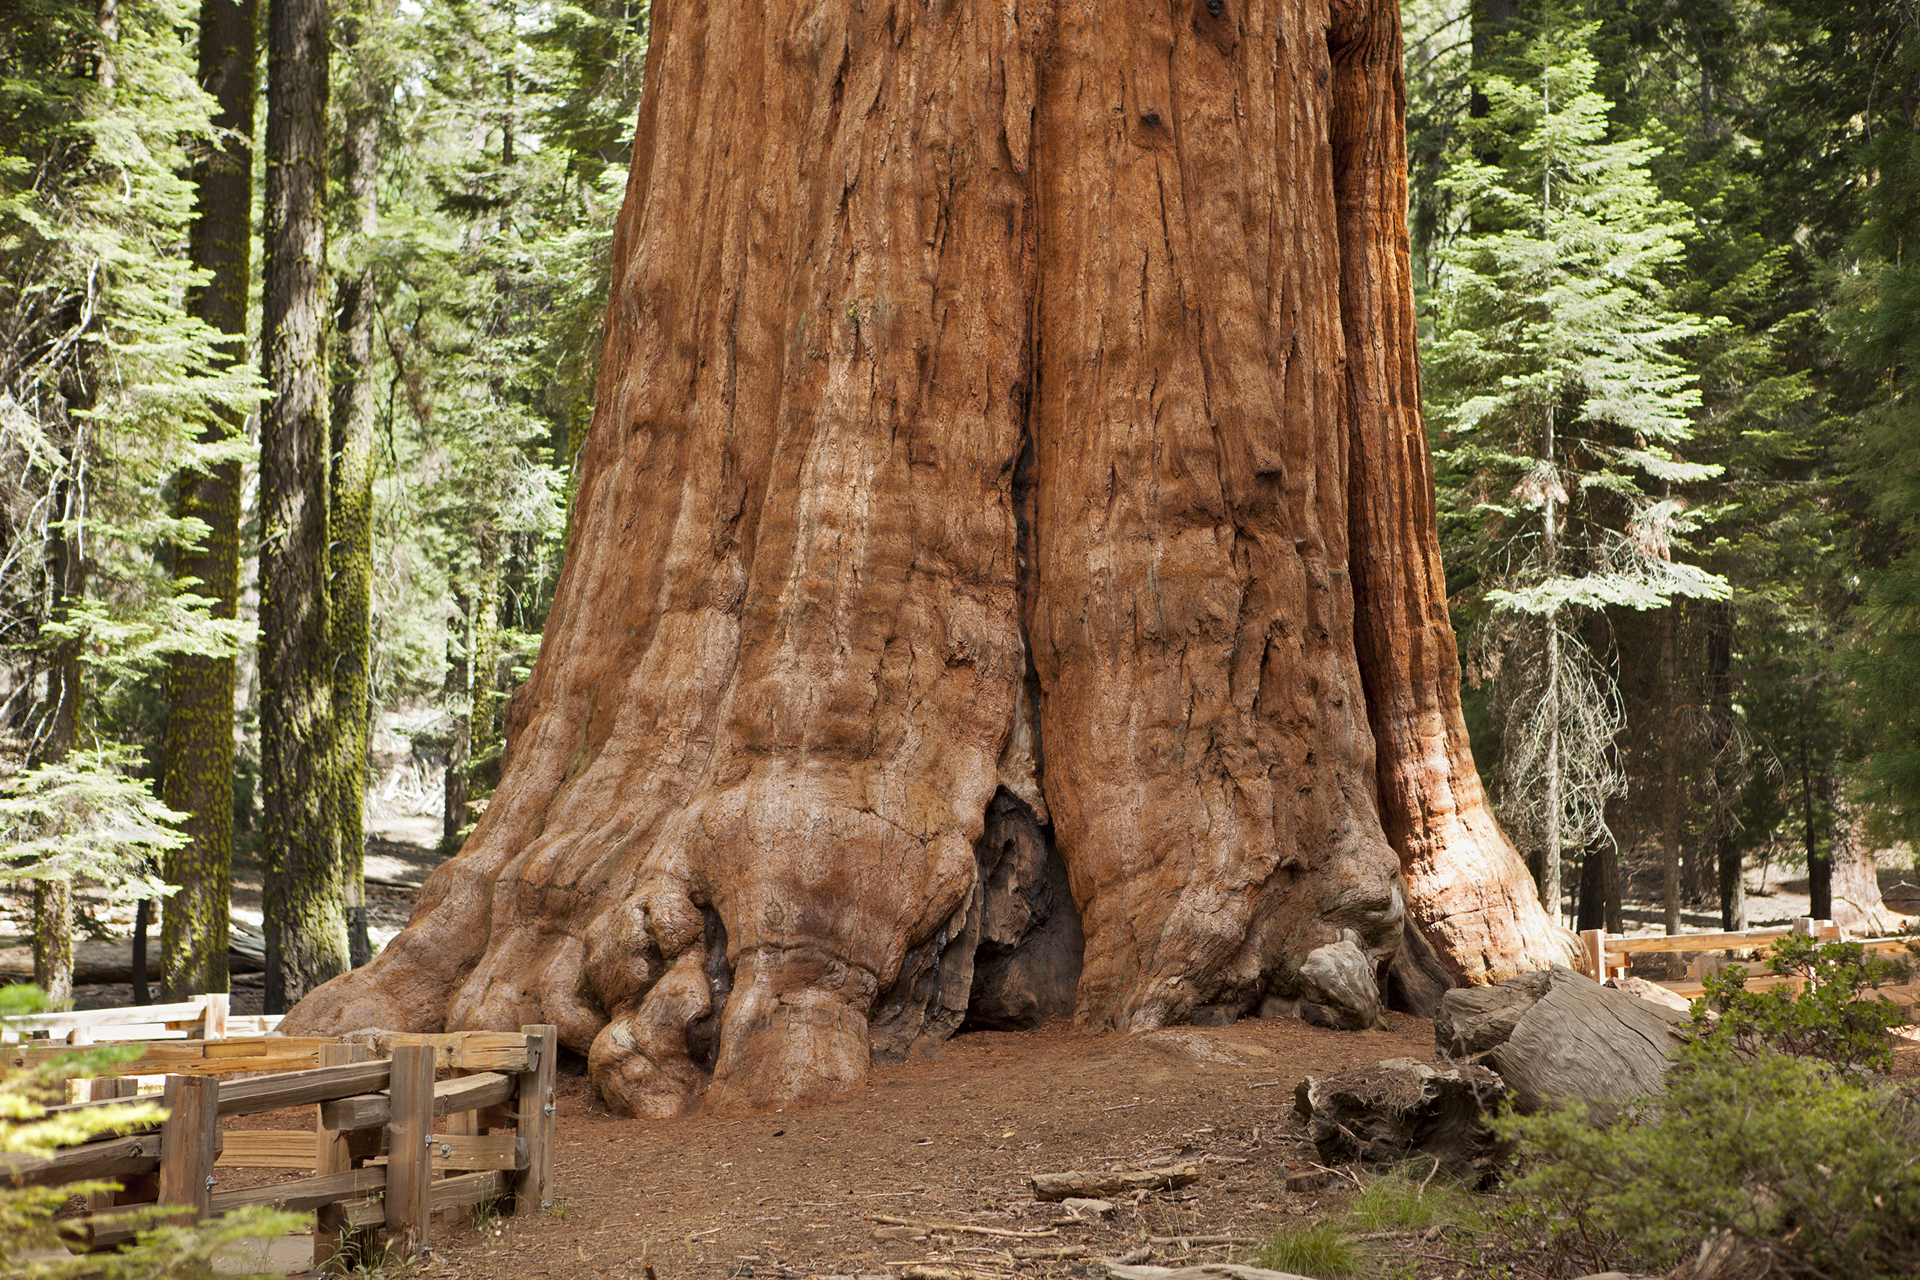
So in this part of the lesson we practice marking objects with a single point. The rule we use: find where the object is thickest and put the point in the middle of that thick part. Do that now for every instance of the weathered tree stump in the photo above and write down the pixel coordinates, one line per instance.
(1403, 1110)
(1557, 1034)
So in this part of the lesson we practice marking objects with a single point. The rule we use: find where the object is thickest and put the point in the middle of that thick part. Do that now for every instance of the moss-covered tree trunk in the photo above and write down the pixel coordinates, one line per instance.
(305, 922)
(1003, 576)
(54, 733)
(351, 513)
(199, 747)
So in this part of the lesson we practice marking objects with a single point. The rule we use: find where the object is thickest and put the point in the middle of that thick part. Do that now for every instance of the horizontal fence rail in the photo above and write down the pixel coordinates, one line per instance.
(374, 1160)
(1604, 957)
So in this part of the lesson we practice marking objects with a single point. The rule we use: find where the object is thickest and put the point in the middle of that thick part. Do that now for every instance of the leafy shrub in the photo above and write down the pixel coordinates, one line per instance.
(1805, 1158)
(1833, 1019)
(28, 1230)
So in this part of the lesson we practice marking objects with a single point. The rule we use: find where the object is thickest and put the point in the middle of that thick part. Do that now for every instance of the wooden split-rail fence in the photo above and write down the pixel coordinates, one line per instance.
(406, 1126)
(1604, 957)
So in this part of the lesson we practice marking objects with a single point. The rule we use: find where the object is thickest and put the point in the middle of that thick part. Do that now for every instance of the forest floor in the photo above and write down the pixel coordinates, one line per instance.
(928, 1163)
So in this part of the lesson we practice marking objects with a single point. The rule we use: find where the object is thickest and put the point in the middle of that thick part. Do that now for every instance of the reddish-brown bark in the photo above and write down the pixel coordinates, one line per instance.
(969, 512)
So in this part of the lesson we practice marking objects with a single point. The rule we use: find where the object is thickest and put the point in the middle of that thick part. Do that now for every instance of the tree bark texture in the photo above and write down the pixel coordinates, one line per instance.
(975, 489)
(350, 513)
(305, 926)
(198, 779)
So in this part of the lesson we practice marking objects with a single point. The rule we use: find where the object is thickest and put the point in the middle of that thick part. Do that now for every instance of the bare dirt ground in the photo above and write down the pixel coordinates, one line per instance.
(866, 1184)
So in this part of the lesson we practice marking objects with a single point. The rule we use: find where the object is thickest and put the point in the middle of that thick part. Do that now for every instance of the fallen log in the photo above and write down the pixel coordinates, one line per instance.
(1086, 1185)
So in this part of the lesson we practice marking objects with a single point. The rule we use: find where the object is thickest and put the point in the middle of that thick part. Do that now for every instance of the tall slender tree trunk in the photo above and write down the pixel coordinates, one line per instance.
(1854, 881)
(305, 921)
(1670, 886)
(459, 687)
(1726, 844)
(1819, 863)
(66, 582)
(200, 747)
(1017, 416)
(351, 512)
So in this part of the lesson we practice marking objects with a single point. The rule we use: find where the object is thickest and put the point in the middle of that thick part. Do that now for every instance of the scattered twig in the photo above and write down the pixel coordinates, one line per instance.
(1125, 1106)
(1058, 1252)
(1429, 1178)
(1193, 1240)
(1340, 1173)
(962, 1228)
(1264, 1084)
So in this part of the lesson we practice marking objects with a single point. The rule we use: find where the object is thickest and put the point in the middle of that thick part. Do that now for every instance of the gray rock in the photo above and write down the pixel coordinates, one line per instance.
(1337, 985)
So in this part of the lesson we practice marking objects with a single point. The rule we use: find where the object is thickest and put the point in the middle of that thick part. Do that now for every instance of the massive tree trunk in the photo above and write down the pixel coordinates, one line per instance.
(1006, 472)
(199, 749)
(305, 924)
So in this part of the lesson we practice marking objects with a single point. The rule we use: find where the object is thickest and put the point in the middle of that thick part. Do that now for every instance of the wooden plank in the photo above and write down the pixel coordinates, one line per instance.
(188, 1142)
(1593, 951)
(448, 1193)
(267, 1149)
(184, 1011)
(532, 1185)
(361, 1111)
(462, 1050)
(299, 1088)
(252, 1024)
(190, 1057)
(103, 1089)
(469, 1151)
(106, 1158)
(213, 1025)
(463, 1093)
(409, 1167)
(470, 1093)
(467, 1190)
(267, 1046)
(305, 1195)
(1684, 942)
(332, 1152)
(109, 1229)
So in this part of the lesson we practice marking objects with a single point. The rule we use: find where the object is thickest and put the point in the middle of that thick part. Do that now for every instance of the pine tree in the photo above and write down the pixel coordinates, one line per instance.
(99, 375)
(1560, 394)
(1882, 334)
(305, 920)
(200, 730)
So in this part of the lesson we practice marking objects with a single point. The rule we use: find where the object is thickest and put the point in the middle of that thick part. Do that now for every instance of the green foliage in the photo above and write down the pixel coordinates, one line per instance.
(1560, 390)
(1799, 1155)
(30, 1239)
(1317, 1249)
(1414, 1200)
(84, 817)
(1880, 329)
(1555, 371)
(1780, 1151)
(1833, 1019)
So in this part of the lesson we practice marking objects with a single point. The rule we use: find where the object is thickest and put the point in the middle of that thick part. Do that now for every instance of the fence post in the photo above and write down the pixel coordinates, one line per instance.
(99, 1089)
(533, 1116)
(188, 1141)
(409, 1160)
(213, 1020)
(1593, 943)
(333, 1154)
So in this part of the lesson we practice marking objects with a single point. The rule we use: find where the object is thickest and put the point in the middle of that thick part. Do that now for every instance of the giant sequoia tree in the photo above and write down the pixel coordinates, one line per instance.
(1003, 580)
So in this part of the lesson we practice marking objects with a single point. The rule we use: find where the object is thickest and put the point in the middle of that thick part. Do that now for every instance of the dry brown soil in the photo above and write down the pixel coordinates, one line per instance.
(864, 1184)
